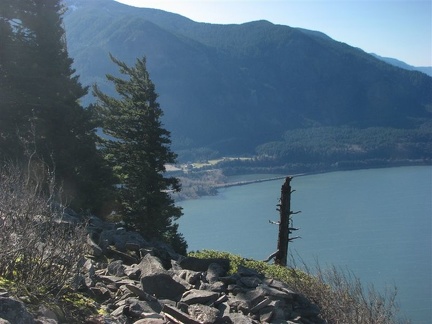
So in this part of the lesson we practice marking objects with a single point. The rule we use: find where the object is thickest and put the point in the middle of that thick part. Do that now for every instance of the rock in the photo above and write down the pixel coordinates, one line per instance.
(162, 285)
(247, 272)
(3, 321)
(214, 271)
(144, 306)
(118, 311)
(14, 311)
(203, 313)
(120, 238)
(201, 265)
(238, 318)
(95, 249)
(101, 293)
(192, 277)
(266, 314)
(177, 316)
(250, 282)
(252, 297)
(132, 272)
(116, 268)
(45, 320)
(137, 291)
(195, 296)
(265, 302)
(273, 292)
(150, 265)
(47, 313)
(151, 321)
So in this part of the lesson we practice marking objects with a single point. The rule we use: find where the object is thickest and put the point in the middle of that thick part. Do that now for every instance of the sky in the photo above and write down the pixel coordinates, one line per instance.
(400, 29)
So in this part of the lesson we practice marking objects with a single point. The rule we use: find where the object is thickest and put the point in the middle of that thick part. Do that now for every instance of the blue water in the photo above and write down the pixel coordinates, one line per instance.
(376, 222)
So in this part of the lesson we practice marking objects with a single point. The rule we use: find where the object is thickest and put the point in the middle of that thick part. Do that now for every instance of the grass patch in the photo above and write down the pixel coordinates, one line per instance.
(340, 295)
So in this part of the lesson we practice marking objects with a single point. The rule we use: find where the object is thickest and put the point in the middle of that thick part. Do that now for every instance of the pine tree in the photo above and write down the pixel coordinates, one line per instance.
(138, 148)
(42, 103)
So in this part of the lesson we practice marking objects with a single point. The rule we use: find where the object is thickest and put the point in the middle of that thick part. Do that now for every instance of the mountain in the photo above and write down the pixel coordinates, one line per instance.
(232, 87)
(425, 69)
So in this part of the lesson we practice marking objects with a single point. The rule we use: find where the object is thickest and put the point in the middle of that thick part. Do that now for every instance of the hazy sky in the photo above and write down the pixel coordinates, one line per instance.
(401, 29)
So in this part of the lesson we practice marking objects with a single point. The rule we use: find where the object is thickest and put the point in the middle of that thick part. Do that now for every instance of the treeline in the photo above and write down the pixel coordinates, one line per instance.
(338, 144)
(45, 130)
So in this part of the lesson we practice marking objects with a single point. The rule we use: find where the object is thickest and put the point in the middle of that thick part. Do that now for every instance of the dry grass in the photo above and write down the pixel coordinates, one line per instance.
(37, 251)
(342, 297)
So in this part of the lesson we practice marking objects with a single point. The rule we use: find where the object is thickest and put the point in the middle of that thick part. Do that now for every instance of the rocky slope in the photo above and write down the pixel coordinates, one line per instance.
(136, 281)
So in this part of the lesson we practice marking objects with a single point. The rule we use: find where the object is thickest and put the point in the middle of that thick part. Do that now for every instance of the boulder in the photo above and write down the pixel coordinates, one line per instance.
(162, 285)
(203, 313)
(195, 296)
(116, 268)
(214, 271)
(150, 265)
(201, 265)
(119, 238)
(14, 311)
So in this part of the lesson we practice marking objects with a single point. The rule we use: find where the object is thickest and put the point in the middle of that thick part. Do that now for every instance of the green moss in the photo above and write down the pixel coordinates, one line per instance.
(283, 274)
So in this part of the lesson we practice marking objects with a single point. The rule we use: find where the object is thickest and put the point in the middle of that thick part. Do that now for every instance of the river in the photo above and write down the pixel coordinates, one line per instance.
(376, 223)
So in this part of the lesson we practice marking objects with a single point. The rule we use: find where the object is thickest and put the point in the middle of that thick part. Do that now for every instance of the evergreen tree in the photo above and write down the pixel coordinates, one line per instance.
(138, 147)
(42, 107)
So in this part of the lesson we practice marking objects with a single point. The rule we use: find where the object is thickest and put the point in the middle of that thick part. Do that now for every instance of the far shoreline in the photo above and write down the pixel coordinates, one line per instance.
(279, 176)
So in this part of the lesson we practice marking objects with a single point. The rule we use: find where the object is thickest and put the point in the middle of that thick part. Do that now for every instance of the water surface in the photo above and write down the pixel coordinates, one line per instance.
(375, 222)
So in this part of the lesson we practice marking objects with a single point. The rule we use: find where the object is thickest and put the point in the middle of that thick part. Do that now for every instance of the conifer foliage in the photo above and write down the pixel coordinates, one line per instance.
(138, 148)
(40, 111)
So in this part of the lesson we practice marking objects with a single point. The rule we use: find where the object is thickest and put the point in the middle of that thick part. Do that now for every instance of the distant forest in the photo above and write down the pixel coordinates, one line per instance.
(287, 95)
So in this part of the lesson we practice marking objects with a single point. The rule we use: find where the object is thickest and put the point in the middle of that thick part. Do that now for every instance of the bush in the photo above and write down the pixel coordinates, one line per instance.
(38, 252)
(339, 294)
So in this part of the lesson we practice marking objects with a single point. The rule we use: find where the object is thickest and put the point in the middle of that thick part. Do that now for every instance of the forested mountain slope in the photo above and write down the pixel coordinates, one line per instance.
(233, 87)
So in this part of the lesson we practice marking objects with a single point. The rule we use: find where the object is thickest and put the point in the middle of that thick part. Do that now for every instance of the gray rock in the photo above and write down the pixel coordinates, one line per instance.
(266, 314)
(201, 265)
(133, 272)
(252, 297)
(265, 302)
(134, 307)
(116, 268)
(14, 311)
(47, 313)
(273, 292)
(250, 282)
(118, 311)
(247, 272)
(162, 285)
(151, 321)
(45, 320)
(150, 265)
(120, 238)
(238, 318)
(101, 293)
(214, 271)
(203, 313)
(195, 296)
(152, 305)
(95, 249)
(190, 276)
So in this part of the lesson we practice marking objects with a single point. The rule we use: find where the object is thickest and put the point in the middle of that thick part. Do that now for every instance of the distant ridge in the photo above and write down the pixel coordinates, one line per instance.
(425, 69)
(230, 88)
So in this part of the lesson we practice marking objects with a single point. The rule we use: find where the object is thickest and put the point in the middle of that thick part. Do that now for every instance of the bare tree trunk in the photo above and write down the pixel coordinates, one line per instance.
(285, 212)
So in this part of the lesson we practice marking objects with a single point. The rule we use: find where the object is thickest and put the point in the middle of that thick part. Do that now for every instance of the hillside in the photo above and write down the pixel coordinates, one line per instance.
(230, 88)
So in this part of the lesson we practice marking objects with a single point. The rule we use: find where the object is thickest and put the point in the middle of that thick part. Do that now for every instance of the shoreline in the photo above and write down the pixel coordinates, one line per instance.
(246, 182)
(279, 176)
